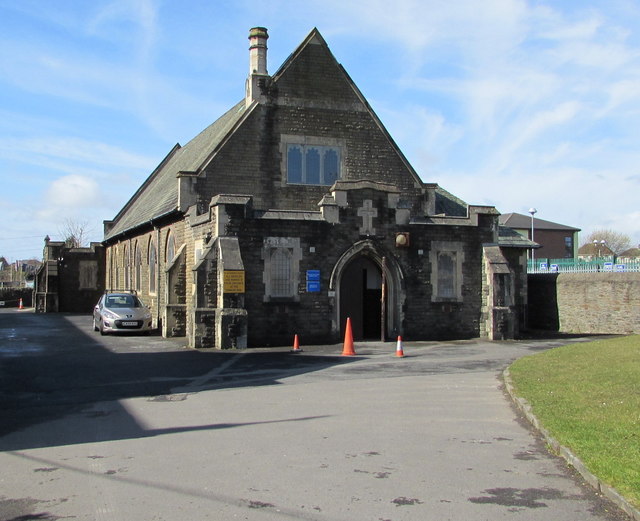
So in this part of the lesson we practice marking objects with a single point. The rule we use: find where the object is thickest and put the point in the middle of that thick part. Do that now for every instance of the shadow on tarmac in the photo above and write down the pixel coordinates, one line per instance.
(54, 371)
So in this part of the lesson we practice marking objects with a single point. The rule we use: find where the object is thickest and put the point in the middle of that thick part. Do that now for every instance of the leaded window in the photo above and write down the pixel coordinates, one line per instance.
(281, 283)
(446, 274)
(313, 164)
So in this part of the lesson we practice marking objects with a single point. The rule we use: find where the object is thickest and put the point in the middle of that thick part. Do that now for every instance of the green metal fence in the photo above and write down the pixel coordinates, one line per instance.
(604, 264)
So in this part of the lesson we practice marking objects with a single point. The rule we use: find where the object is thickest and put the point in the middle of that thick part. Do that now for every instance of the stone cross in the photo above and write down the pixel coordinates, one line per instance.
(367, 212)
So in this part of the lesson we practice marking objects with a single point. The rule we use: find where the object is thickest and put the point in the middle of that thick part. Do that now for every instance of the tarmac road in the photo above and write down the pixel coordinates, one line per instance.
(142, 428)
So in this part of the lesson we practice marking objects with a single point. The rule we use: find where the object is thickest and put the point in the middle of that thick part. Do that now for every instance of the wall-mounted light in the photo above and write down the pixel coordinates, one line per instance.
(402, 239)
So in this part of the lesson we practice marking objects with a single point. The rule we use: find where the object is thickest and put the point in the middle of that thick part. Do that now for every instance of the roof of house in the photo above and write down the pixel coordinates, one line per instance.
(631, 252)
(519, 221)
(594, 249)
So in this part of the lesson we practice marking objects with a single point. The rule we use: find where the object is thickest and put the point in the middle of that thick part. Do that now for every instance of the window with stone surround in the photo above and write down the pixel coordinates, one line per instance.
(281, 257)
(311, 160)
(446, 260)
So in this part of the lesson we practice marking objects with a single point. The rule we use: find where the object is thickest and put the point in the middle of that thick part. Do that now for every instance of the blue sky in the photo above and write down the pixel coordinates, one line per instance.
(510, 103)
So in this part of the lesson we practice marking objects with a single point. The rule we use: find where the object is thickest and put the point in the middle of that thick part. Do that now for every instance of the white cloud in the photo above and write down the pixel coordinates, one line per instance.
(72, 192)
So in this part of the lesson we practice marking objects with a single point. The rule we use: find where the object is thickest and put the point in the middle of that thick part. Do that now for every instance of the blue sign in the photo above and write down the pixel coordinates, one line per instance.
(313, 275)
(543, 266)
(608, 266)
(620, 267)
(313, 286)
(553, 267)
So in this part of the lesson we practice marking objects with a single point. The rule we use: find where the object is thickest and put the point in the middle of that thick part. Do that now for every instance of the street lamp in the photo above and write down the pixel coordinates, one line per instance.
(599, 245)
(532, 211)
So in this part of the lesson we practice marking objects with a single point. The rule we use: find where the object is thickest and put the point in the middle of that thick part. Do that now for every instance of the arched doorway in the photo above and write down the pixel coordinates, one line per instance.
(368, 287)
(361, 298)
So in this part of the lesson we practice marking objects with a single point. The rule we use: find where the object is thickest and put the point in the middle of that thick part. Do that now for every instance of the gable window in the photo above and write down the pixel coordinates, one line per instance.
(281, 268)
(312, 164)
(311, 160)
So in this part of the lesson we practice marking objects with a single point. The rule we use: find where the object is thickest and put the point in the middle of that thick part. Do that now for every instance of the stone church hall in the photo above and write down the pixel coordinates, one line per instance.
(296, 209)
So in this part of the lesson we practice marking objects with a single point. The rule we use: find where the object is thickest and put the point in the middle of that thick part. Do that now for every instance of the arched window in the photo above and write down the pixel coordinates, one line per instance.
(126, 261)
(171, 248)
(115, 277)
(137, 264)
(153, 266)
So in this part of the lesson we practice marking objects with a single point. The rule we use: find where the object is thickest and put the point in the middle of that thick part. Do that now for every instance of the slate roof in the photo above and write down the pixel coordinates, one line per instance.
(509, 238)
(158, 195)
(523, 222)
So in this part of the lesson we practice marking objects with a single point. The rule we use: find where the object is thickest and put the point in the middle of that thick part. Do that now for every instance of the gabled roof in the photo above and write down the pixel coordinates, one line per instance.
(519, 221)
(314, 37)
(158, 195)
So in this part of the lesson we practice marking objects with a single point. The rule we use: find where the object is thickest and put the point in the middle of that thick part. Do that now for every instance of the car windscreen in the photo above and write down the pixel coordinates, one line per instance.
(123, 301)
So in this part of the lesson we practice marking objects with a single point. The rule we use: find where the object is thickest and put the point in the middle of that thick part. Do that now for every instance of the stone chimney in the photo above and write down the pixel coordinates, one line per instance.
(258, 75)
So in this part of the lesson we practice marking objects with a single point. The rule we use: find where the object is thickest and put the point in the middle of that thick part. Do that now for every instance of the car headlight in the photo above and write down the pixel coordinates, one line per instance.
(110, 314)
(146, 316)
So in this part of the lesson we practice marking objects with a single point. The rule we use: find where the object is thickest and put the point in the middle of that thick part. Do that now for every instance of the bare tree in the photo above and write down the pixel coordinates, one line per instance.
(75, 233)
(616, 242)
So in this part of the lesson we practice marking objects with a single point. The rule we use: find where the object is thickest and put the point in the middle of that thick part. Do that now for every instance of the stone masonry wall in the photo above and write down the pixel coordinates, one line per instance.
(591, 303)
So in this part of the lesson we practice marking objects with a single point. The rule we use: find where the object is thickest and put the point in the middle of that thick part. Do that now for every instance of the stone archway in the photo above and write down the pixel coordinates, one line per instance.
(368, 286)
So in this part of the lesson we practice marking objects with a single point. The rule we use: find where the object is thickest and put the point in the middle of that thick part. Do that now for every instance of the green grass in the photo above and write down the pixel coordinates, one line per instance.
(587, 395)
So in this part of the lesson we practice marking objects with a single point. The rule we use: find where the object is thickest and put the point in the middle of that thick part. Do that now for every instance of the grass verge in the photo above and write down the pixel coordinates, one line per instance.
(588, 396)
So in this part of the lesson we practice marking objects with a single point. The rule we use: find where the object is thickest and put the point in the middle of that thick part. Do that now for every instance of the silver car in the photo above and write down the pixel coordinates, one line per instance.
(123, 312)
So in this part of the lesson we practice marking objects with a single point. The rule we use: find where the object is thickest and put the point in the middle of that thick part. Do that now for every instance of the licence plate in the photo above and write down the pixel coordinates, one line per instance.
(129, 324)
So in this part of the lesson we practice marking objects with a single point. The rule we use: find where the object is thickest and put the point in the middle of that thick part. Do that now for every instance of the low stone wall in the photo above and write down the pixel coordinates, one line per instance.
(592, 303)
(10, 297)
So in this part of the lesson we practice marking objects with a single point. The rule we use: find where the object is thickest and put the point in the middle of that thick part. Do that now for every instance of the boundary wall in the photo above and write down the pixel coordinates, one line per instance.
(585, 303)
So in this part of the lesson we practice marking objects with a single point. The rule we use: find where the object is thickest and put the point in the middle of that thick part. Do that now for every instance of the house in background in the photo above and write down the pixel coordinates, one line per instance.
(296, 210)
(630, 255)
(556, 241)
(595, 251)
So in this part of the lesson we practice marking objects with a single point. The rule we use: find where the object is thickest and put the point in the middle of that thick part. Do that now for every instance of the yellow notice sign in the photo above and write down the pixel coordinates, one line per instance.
(234, 281)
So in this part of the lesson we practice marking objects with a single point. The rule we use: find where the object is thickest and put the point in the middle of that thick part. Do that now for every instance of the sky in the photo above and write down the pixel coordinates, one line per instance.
(509, 103)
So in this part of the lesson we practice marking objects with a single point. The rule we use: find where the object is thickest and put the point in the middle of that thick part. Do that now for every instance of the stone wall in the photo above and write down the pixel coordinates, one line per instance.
(592, 303)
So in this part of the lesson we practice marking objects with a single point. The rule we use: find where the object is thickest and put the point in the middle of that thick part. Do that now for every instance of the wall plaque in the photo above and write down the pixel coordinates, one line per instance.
(234, 281)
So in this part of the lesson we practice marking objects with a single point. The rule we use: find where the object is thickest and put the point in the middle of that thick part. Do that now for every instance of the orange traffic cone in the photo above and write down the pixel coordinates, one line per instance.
(296, 345)
(399, 351)
(348, 350)
(20, 306)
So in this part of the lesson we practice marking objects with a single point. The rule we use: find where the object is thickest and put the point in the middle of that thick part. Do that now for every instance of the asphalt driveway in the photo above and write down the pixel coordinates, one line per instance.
(144, 428)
